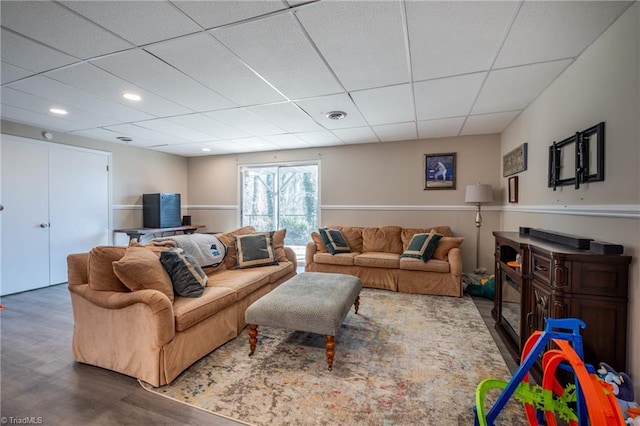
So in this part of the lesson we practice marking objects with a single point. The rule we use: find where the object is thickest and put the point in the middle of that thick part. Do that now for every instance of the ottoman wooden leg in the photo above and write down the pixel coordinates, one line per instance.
(331, 353)
(357, 303)
(253, 338)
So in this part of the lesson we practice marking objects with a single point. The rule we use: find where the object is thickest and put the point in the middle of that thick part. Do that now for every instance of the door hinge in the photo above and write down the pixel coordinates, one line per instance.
(107, 167)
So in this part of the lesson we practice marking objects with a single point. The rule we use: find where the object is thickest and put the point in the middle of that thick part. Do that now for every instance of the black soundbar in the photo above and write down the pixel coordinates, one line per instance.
(564, 239)
(602, 247)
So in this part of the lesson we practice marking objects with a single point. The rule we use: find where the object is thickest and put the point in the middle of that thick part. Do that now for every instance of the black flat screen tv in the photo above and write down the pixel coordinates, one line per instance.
(161, 210)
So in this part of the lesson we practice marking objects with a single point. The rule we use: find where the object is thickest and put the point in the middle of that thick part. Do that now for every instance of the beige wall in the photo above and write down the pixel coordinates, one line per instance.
(367, 185)
(602, 85)
(134, 171)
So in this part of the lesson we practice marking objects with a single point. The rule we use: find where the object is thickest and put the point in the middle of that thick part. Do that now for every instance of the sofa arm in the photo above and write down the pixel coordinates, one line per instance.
(158, 315)
(455, 262)
(77, 270)
(291, 257)
(310, 251)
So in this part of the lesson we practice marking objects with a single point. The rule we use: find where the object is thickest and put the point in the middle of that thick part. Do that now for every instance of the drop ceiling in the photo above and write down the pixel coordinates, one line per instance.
(220, 77)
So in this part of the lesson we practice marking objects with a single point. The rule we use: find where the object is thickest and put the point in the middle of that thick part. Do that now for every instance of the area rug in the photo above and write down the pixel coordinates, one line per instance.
(405, 359)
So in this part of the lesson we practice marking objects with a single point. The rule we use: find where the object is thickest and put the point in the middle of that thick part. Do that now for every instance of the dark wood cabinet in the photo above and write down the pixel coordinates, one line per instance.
(558, 281)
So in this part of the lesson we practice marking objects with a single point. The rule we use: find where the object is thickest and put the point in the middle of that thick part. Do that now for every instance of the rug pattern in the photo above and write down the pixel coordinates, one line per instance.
(404, 359)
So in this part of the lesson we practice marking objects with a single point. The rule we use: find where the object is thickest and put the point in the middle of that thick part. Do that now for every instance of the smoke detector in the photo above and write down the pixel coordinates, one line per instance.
(124, 139)
(336, 115)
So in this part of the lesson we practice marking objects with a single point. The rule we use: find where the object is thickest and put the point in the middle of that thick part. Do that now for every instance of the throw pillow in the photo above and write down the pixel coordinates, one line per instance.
(141, 269)
(255, 250)
(422, 246)
(334, 240)
(278, 245)
(445, 245)
(317, 239)
(187, 276)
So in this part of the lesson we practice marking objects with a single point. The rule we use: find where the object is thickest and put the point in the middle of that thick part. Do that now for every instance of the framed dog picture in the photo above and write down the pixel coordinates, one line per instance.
(440, 171)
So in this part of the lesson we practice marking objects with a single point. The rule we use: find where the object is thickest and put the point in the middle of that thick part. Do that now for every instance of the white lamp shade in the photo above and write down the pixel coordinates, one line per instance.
(478, 194)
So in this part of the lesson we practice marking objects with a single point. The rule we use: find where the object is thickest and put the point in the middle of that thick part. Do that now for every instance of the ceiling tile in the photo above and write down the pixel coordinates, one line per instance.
(286, 116)
(45, 121)
(322, 138)
(9, 73)
(455, 37)
(140, 22)
(173, 129)
(30, 55)
(355, 36)
(548, 30)
(108, 136)
(52, 89)
(191, 149)
(147, 135)
(318, 108)
(146, 71)
(217, 68)
(211, 14)
(57, 27)
(514, 88)
(386, 104)
(488, 123)
(396, 132)
(294, 67)
(446, 97)
(286, 141)
(251, 144)
(42, 105)
(442, 128)
(242, 119)
(101, 83)
(205, 124)
(356, 135)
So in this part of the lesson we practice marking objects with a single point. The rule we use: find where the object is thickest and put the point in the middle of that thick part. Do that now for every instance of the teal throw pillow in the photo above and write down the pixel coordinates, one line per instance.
(422, 246)
(334, 240)
(187, 276)
(255, 250)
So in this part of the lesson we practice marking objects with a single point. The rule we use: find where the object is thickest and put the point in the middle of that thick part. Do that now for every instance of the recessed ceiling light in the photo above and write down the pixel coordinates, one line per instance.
(124, 139)
(206, 149)
(58, 111)
(131, 96)
(336, 115)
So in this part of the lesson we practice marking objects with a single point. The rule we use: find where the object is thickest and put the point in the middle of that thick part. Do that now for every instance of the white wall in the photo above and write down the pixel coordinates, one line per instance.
(602, 85)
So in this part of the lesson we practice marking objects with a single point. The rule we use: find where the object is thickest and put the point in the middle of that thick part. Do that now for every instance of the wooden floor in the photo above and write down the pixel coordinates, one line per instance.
(39, 378)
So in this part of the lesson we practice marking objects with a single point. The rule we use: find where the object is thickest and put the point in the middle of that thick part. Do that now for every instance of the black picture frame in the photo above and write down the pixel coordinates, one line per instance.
(513, 189)
(440, 171)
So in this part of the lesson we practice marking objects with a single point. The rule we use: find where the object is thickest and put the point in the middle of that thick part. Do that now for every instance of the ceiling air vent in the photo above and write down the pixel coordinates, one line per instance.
(336, 115)
(124, 139)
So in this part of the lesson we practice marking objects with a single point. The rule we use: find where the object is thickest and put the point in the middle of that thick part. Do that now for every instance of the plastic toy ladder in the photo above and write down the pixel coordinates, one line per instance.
(596, 405)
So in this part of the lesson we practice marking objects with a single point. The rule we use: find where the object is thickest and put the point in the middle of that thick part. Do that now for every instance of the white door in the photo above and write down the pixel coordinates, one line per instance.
(25, 220)
(78, 205)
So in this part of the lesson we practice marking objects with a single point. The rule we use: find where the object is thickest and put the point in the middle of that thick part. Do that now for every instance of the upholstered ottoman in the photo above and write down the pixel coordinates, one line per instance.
(314, 302)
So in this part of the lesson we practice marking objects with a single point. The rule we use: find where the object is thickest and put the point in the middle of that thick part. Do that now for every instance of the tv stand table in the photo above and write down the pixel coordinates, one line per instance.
(136, 233)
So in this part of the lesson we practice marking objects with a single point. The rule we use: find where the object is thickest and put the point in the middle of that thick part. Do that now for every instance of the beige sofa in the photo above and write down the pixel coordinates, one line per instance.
(376, 259)
(143, 333)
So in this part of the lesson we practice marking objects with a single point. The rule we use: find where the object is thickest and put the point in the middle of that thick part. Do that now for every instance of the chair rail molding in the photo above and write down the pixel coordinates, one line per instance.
(627, 211)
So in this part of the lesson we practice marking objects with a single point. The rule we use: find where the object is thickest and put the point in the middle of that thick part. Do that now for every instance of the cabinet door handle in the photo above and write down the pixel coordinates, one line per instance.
(541, 268)
(529, 316)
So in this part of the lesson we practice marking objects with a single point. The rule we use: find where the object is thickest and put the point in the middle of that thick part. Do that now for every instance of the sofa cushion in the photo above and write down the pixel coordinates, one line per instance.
(433, 265)
(242, 281)
(277, 271)
(385, 239)
(422, 246)
(254, 250)
(334, 240)
(100, 264)
(445, 245)
(226, 238)
(378, 260)
(140, 268)
(189, 311)
(187, 276)
(317, 239)
(353, 235)
(278, 245)
(345, 259)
